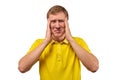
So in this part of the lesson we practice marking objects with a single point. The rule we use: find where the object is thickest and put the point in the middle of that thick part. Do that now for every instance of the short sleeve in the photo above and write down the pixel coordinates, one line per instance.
(34, 45)
(37, 43)
(82, 43)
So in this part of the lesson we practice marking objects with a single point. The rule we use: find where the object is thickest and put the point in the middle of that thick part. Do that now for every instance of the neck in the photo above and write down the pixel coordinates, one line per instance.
(58, 39)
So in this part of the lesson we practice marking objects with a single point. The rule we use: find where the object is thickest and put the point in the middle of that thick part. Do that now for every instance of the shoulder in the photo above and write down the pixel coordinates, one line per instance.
(78, 39)
(37, 41)
(82, 43)
(35, 44)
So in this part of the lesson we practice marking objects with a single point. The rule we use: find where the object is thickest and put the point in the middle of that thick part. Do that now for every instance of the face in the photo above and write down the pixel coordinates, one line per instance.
(57, 24)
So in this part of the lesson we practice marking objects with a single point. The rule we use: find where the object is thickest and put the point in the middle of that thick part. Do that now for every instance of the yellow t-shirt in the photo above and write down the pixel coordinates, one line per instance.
(58, 61)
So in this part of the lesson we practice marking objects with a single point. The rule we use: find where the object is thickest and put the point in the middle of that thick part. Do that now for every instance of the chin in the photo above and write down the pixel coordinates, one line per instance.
(57, 36)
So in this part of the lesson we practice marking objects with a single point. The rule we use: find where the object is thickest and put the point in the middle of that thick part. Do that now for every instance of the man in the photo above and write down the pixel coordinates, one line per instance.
(59, 54)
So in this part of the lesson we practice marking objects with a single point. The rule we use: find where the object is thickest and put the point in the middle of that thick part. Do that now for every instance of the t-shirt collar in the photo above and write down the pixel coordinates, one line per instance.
(65, 41)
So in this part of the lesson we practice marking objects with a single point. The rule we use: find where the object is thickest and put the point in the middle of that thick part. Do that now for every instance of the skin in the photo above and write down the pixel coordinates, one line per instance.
(58, 29)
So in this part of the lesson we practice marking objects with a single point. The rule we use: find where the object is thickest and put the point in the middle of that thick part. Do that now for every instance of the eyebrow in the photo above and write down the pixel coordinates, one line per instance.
(61, 20)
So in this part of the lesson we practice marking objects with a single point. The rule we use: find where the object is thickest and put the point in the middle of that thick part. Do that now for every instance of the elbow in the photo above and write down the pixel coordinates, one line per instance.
(22, 68)
(94, 68)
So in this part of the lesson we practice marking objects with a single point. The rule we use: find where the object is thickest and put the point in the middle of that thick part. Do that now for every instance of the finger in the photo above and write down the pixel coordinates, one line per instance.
(48, 23)
(66, 22)
(67, 25)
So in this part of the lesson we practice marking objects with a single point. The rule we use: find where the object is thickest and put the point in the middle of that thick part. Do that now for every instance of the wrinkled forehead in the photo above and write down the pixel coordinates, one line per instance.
(59, 16)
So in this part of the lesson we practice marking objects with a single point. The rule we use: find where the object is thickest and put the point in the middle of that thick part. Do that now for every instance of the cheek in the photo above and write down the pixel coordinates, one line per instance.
(62, 24)
(51, 30)
(63, 30)
(52, 26)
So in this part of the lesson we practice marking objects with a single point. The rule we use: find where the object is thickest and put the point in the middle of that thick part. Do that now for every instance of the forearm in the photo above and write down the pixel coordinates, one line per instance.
(88, 60)
(31, 58)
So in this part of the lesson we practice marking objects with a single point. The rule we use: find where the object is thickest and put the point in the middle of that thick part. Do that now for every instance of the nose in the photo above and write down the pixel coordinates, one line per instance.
(57, 24)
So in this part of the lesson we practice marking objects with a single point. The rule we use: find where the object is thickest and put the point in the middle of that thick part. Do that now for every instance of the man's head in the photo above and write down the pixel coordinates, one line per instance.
(57, 15)
(56, 9)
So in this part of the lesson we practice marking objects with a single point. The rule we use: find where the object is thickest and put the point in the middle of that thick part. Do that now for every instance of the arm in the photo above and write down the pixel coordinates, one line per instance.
(88, 60)
(27, 61)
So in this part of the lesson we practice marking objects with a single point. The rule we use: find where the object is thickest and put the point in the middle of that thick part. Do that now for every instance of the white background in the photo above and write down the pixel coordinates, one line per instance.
(96, 21)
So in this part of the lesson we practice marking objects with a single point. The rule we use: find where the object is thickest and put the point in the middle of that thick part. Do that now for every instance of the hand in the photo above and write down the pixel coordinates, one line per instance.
(67, 29)
(48, 32)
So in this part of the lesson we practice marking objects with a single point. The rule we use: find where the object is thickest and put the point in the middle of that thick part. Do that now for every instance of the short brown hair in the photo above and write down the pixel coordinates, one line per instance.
(56, 9)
